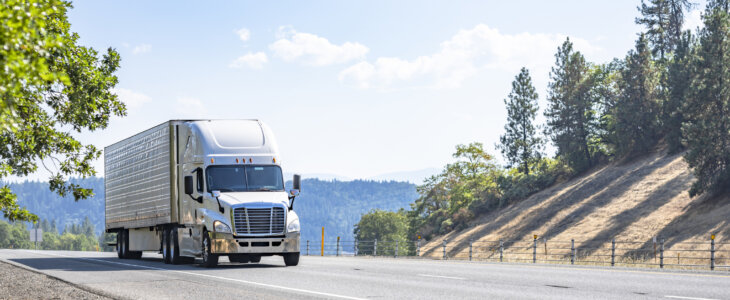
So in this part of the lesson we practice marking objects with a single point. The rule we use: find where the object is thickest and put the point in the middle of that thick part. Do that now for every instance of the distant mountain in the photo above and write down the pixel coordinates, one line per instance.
(336, 205)
(416, 177)
(321, 176)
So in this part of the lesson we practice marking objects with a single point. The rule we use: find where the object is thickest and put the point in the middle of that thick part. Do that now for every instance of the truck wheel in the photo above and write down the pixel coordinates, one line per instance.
(166, 246)
(255, 258)
(210, 260)
(135, 254)
(174, 247)
(291, 259)
(124, 241)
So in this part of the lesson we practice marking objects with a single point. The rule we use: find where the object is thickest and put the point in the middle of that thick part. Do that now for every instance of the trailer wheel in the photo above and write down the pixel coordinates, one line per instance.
(120, 245)
(174, 247)
(291, 259)
(166, 246)
(210, 260)
(255, 258)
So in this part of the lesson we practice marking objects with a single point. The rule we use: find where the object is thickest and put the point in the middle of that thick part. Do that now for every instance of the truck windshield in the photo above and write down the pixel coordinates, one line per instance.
(244, 178)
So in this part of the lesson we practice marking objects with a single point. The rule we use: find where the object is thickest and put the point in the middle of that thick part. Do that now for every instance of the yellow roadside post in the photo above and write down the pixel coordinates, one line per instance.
(321, 249)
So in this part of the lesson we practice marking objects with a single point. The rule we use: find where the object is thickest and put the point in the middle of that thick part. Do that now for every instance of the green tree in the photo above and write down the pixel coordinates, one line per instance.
(385, 226)
(663, 20)
(707, 111)
(637, 107)
(679, 79)
(50, 87)
(520, 144)
(571, 117)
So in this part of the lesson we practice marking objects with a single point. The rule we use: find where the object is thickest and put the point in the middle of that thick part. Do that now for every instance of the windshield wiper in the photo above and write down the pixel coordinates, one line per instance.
(262, 190)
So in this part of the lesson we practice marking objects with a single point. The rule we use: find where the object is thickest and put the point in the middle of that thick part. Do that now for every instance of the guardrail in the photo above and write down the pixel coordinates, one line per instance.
(658, 252)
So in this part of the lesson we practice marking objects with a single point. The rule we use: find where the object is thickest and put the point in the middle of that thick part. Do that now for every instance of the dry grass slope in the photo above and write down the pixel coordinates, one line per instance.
(629, 201)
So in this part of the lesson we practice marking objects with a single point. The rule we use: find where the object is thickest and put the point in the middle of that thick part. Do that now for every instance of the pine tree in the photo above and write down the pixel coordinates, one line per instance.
(679, 76)
(637, 107)
(571, 118)
(655, 16)
(520, 144)
(707, 111)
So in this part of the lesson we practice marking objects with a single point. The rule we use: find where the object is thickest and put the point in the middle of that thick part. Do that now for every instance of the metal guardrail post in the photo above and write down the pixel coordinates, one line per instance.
(418, 247)
(661, 254)
(613, 252)
(396, 249)
(501, 250)
(354, 248)
(444, 249)
(712, 252)
(375, 247)
(307, 247)
(337, 252)
(470, 248)
(572, 251)
(534, 249)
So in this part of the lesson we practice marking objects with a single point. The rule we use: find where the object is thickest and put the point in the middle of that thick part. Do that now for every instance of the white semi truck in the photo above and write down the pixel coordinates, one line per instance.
(201, 188)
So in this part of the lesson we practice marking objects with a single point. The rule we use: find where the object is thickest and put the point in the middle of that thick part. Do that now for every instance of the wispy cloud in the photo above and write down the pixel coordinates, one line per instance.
(130, 98)
(189, 106)
(244, 34)
(459, 58)
(250, 60)
(310, 49)
(143, 48)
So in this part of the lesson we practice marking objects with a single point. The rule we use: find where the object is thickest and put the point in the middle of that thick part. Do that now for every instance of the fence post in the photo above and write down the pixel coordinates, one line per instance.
(337, 252)
(444, 249)
(712, 252)
(470, 248)
(307, 247)
(418, 247)
(396, 249)
(355, 247)
(613, 252)
(375, 247)
(572, 251)
(534, 249)
(501, 250)
(661, 255)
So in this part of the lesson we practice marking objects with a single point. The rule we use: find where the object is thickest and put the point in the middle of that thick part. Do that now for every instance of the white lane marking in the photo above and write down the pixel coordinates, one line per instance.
(690, 298)
(216, 277)
(439, 276)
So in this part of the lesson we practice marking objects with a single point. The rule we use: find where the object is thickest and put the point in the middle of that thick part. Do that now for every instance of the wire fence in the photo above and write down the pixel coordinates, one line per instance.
(710, 254)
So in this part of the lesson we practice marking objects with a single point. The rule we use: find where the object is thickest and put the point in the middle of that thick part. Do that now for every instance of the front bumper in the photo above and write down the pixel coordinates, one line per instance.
(223, 243)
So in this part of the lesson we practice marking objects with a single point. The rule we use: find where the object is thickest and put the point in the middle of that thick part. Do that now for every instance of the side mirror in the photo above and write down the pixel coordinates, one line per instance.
(216, 193)
(297, 182)
(188, 185)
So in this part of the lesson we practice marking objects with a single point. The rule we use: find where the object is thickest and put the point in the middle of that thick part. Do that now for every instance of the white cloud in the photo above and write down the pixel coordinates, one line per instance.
(250, 60)
(692, 20)
(190, 106)
(130, 98)
(143, 48)
(244, 34)
(314, 50)
(461, 57)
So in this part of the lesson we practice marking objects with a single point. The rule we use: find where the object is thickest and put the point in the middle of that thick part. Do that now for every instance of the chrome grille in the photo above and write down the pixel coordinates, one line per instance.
(259, 221)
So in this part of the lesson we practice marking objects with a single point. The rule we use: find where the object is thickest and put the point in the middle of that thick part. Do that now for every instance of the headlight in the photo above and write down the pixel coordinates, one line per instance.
(293, 226)
(221, 227)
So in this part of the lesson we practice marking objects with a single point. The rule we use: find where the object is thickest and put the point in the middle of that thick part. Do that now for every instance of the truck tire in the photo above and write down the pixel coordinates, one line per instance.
(135, 254)
(123, 242)
(291, 259)
(174, 247)
(210, 260)
(166, 246)
(255, 258)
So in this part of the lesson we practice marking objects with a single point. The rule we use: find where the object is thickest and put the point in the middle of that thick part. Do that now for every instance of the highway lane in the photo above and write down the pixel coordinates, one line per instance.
(366, 278)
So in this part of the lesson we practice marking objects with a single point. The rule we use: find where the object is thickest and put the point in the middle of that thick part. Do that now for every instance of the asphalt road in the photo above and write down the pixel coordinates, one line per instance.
(365, 278)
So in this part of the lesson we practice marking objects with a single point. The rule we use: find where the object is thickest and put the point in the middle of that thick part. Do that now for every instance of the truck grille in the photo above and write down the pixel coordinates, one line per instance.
(259, 221)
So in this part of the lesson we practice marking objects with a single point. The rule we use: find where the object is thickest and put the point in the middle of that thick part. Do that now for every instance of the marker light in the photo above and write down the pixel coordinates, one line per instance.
(236, 160)
(274, 159)
(211, 161)
(249, 160)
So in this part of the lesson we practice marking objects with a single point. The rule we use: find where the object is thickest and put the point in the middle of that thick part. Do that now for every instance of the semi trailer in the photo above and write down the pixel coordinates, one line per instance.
(201, 189)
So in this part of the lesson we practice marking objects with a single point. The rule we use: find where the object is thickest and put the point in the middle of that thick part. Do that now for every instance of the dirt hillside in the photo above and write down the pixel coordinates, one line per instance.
(627, 201)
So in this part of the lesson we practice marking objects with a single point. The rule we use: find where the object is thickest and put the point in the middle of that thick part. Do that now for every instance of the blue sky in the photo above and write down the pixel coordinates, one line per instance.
(354, 88)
